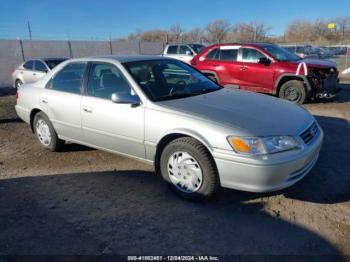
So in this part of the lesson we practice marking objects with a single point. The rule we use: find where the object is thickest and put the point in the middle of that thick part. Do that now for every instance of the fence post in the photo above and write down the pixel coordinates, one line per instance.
(110, 46)
(22, 50)
(70, 49)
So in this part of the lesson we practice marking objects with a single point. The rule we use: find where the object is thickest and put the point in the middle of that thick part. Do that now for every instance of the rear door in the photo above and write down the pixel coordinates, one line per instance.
(223, 61)
(39, 71)
(27, 72)
(61, 100)
(255, 76)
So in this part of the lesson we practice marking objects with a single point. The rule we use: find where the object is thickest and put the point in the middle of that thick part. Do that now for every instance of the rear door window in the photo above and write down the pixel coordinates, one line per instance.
(69, 79)
(228, 54)
(213, 54)
(39, 66)
(29, 65)
(172, 50)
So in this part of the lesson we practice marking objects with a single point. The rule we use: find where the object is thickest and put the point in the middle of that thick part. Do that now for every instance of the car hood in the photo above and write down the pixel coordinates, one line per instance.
(245, 112)
(316, 63)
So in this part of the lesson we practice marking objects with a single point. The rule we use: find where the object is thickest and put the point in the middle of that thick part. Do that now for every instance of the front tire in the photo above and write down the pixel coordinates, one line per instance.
(45, 133)
(293, 91)
(189, 169)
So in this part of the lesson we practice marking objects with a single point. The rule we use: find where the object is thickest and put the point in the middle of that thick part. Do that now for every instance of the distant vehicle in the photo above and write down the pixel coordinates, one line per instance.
(183, 52)
(33, 70)
(164, 112)
(268, 68)
(302, 51)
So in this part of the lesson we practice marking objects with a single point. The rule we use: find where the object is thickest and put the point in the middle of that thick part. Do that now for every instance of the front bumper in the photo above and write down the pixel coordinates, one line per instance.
(276, 172)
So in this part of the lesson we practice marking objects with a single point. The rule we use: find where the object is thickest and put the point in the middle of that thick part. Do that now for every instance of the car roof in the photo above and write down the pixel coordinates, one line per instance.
(47, 58)
(252, 44)
(125, 58)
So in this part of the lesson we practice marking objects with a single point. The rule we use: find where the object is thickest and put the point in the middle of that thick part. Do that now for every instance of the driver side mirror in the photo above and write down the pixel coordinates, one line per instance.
(189, 53)
(264, 61)
(126, 98)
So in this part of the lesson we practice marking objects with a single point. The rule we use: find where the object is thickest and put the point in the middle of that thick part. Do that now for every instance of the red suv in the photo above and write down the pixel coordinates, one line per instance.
(268, 68)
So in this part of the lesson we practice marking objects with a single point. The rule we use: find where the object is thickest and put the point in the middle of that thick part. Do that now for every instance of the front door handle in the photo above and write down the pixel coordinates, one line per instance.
(34, 74)
(44, 100)
(87, 109)
(243, 68)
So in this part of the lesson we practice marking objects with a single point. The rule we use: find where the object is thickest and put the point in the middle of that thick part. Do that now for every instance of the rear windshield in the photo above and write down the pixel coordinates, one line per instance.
(54, 62)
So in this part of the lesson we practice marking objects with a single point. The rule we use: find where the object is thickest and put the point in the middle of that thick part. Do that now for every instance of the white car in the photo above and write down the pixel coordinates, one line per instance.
(183, 52)
(33, 70)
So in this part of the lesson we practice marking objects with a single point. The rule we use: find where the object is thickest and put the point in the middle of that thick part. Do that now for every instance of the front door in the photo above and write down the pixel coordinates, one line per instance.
(113, 126)
(255, 76)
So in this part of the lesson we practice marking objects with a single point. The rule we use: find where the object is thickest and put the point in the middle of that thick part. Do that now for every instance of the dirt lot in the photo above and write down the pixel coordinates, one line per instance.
(85, 201)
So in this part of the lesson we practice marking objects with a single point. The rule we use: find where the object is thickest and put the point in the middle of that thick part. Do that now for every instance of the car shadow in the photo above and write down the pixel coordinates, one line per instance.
(133, 212)
(329, 181)
(343, 96)
(7, 91)
(10, 120)
(72, 147)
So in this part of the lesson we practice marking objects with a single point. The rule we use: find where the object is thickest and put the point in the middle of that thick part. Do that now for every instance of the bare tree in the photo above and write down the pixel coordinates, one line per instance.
(175, 33)
(217, 31)
(252, 31)
(299, 31)
(343, 24)
(195, 35)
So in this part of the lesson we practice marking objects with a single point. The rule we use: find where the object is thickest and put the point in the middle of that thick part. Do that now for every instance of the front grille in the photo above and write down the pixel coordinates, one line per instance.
(308, 135)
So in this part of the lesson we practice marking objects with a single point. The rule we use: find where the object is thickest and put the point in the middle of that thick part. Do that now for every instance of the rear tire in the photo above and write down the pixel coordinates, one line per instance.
(293, 91)
(45, 133)
(189, 169)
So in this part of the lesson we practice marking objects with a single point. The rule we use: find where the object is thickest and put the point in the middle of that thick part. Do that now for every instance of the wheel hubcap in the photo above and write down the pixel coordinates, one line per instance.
(184, 172)
(292, 94)
(43, 132)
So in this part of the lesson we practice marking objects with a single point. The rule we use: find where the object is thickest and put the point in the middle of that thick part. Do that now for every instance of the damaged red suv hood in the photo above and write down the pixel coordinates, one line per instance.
(315, 63)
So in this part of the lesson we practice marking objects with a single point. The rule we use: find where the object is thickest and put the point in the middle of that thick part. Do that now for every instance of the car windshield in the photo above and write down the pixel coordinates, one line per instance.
(54, 62)
(197, 47)
(169, 79)
(281, 54)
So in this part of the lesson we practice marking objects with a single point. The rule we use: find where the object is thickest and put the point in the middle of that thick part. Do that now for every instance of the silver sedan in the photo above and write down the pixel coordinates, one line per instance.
(197, 135)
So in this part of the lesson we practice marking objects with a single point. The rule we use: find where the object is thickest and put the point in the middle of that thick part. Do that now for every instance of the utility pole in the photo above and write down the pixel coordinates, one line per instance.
(29, 30)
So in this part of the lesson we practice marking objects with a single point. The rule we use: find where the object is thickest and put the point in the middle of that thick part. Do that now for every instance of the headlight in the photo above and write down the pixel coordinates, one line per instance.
(262, 145)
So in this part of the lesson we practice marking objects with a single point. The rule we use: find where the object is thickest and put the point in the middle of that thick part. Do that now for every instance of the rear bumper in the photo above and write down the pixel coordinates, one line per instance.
(271, 174)
(23, 113)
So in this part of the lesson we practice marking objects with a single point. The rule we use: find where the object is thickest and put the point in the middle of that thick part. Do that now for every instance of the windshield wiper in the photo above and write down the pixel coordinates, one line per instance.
(175, 96)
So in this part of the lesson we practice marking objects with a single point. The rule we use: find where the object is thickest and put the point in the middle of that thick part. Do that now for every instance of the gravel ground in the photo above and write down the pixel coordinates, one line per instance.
(85, 201)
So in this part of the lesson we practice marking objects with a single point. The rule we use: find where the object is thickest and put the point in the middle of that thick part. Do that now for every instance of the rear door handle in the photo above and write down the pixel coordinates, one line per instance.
(87, 109)
(34, 74)
(243, 68)
(44, 100)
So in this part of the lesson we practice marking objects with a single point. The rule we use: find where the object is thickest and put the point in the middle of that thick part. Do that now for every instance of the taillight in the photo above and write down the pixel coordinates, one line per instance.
(17, 94)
